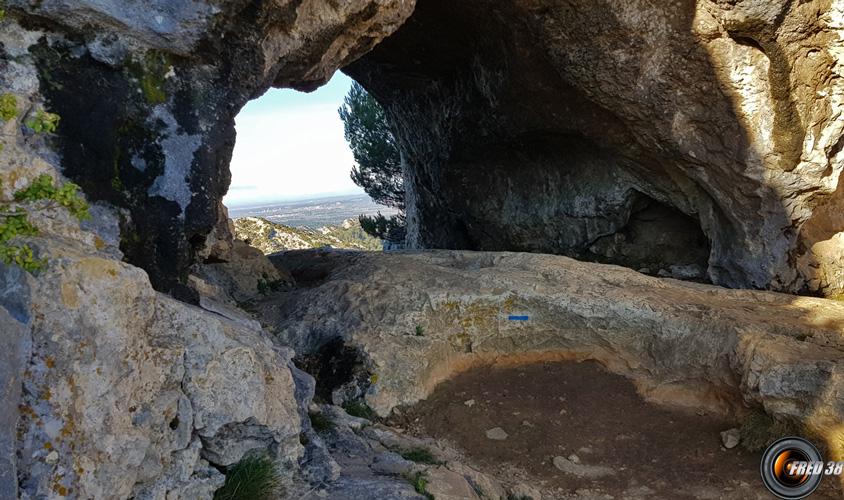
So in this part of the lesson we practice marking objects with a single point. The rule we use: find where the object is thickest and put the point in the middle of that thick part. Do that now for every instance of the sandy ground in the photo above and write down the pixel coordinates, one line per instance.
(623, 446)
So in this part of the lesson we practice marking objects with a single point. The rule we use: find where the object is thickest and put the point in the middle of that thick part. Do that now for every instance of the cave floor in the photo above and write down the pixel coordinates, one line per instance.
(624, 446)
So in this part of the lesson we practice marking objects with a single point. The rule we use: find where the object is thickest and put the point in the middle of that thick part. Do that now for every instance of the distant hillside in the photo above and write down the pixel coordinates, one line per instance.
(270, 237)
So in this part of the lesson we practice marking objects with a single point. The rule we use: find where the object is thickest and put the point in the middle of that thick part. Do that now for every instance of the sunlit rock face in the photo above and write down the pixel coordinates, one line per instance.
(129, 393)
(148, 91)
(549, 125)
(419, 318)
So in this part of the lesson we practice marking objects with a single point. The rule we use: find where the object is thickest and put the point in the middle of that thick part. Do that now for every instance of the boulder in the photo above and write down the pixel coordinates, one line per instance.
(246, 275)
(731, 438)
(127, 392)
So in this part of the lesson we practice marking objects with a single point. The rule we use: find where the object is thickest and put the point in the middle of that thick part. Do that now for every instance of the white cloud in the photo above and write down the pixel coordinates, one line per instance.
(289, 153)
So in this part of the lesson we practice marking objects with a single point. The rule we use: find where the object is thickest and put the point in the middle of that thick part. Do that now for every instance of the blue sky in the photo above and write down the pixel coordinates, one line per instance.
(290, 145)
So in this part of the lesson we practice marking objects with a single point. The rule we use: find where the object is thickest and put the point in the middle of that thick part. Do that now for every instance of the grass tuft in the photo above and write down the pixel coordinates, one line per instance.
(420, 456)
(320, 422)
(359, 409)
(420, 485)
(759, 430)
(253, 478)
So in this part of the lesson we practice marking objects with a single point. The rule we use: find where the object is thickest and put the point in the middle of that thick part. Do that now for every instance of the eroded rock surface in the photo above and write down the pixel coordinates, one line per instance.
(572, 127)
(350, 457)
(148, 91)
(130, 393)
(421, 317)
(546, 126)
(110, 388)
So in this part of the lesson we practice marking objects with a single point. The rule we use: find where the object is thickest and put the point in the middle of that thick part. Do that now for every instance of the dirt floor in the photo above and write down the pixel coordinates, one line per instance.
(624, 447)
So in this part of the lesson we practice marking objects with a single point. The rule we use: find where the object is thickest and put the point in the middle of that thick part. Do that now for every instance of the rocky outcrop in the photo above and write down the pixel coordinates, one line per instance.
(110, 388)
(420, 317)
(270, 237)
(246, 275)
(352, 457)
(549, 126)
(148, 92)
(129, 393)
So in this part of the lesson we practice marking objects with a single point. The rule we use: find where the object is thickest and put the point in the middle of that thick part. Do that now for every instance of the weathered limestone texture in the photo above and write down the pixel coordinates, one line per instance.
(421, 317)
(112, 389)
(128, 392)
(148, 91)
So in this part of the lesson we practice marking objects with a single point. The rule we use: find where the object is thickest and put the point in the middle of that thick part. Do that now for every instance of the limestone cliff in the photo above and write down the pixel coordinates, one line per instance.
(112, 389)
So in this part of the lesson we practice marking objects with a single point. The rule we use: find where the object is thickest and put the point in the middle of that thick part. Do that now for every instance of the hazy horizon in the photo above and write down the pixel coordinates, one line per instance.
(313, 211)
(257, 203)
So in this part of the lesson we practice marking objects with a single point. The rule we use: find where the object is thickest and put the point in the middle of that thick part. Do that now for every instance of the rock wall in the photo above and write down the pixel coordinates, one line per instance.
(536, 125)
(129, 393)
(148, 91)
(112, 389)
(541, 126)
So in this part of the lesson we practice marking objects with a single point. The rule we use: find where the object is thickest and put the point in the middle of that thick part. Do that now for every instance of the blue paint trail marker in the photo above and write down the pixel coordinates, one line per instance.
(513, 317)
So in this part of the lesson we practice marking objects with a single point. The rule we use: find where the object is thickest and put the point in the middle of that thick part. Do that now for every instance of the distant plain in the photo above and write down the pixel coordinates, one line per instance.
(313, 212)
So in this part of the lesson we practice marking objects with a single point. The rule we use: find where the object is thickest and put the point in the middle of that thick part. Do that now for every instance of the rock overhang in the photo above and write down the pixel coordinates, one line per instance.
(523, 125)
(148, 95)
(714, 110)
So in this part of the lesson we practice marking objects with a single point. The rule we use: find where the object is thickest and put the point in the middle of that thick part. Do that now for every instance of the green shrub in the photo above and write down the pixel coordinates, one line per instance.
(43, 122)
(8, 106)
(320, 422)
(151, 72)
(359, 409)
(420, 456)
(253, 478)
(42, 195)
(66, 196)
(420, 330)
(420, 485)
(266, 285)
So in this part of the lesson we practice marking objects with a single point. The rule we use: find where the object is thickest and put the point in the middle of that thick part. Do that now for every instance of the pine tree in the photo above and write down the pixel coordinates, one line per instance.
(378, 168)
